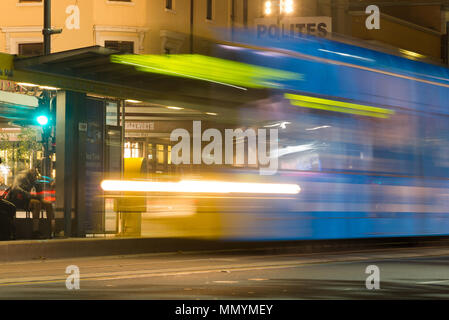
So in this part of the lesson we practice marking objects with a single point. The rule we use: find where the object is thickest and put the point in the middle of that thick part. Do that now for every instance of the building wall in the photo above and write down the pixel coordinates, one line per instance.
(396, 33)
(147, 23)
(171, 29)
(154, 29)
(308, 8)
(21, 23)
(413, 25)
(426, 16)
(70, 39)
(176, 22)
(119, 21)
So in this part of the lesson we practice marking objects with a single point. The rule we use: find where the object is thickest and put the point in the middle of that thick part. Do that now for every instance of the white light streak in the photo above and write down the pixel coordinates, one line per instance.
(194, 186)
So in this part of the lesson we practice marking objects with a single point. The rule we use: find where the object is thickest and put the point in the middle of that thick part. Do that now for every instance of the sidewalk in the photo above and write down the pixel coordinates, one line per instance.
(11, 251)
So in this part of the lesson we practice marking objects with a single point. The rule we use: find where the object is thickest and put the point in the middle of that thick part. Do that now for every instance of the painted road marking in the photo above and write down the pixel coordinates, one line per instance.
(433, 282)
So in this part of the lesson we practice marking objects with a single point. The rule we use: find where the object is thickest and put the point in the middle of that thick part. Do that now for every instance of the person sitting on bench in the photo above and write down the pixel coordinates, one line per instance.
(20, 195)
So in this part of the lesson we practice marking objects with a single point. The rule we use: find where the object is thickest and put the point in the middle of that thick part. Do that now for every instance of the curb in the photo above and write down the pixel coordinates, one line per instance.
(12, 251)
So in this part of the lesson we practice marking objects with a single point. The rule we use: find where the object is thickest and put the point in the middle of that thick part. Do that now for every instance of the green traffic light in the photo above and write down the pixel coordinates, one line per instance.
(42, 120)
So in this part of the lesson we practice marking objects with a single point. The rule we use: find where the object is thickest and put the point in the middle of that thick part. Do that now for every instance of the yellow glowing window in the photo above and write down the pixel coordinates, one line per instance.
(169, 155)
(160, 153)
(132, 150)
(150, 151)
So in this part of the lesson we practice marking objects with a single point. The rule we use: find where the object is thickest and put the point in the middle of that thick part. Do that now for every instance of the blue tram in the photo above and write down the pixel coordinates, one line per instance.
(365, 134)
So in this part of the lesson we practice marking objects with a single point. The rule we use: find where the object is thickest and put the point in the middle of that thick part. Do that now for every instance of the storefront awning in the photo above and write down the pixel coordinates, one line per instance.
(15, 106)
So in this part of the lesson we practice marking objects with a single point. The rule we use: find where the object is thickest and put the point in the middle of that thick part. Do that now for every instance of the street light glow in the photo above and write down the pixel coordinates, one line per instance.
(285, 6)
(288, 6)
(268, 7)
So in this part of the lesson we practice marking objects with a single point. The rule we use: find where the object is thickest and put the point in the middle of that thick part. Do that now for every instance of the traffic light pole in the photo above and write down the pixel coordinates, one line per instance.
(46, 135)
(47, 27)
(48, 31)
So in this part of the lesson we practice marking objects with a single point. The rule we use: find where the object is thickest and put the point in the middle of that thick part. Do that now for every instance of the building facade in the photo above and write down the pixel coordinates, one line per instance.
(182, 26)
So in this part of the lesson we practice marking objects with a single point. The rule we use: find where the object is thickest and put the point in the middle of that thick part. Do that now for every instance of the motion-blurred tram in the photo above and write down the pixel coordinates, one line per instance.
(363, 133)
(363, 172)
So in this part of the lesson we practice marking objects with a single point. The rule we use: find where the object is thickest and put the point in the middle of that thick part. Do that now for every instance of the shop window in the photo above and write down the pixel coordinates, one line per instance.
(132, 150)
(160, 153)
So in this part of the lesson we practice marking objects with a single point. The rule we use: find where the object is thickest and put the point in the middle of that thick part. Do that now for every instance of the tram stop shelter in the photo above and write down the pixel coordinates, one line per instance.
(90, 110)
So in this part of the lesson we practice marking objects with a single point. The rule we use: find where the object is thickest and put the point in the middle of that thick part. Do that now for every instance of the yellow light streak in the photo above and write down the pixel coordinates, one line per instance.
(175, 108)
(338, 106)
(49, 88)
(26, 84)
(412, 54)
(226, 72)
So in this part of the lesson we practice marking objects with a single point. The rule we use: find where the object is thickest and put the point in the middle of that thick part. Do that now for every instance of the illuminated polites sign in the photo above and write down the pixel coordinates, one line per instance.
(289, 27)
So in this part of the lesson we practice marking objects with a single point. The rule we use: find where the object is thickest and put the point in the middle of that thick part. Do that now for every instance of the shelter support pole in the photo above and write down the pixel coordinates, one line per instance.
(70, 162)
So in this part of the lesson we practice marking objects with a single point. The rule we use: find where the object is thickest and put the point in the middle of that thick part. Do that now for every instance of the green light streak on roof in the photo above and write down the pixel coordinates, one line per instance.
(226, 72)
(338, 106)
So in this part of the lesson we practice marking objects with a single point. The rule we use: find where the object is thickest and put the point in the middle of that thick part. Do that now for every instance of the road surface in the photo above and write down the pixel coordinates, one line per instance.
(418, 273)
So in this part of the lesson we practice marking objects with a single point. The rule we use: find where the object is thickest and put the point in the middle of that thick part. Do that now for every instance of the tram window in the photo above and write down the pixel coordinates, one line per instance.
(160, 154)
